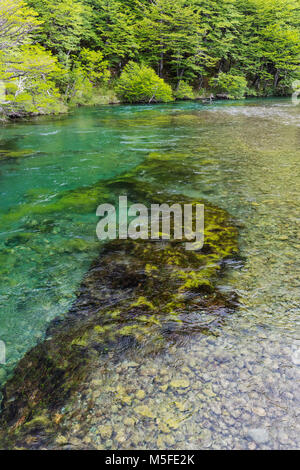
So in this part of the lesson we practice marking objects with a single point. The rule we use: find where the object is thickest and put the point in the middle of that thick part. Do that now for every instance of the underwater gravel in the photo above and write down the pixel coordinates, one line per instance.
(240, 388)
(208, 393)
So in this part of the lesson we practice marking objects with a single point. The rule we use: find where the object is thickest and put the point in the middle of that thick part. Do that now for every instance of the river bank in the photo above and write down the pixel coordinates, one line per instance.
(109, 97)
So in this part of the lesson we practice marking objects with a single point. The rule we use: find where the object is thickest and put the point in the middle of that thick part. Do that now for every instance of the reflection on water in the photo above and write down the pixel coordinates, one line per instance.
(237, 389)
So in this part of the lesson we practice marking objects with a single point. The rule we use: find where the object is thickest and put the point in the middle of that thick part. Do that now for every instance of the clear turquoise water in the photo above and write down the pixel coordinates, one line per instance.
(248, 163)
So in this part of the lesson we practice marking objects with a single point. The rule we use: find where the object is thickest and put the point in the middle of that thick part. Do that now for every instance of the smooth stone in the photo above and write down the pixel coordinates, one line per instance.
(140, 394)
(105, 431)
(180, 383)
(296, 357)
(259, 411)
(259, 435)
(128, 421)
(121, 438)
(172, 423)
(61, 440)
(144, 411)
(205, 436)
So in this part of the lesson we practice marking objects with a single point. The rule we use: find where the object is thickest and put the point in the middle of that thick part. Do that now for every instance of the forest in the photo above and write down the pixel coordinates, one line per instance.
(149, 242)
(57, 54)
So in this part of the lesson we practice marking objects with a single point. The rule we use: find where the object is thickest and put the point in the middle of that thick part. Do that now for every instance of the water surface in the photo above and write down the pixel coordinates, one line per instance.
(242, 382)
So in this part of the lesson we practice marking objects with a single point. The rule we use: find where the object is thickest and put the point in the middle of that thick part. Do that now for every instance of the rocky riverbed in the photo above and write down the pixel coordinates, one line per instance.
(147, 357)
(140, 296)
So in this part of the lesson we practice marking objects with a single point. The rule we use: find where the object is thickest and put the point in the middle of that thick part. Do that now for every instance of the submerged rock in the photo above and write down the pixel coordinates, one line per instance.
(144, 411)
(105, 431)
(179, 383)
(259, 435)
(296, 357)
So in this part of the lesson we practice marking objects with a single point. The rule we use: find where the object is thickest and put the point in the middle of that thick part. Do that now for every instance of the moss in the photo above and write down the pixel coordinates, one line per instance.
(149, 269)
(127, 330)
(99, 329)
(37, 422)
(18, 239)
(81, 341)
(82, 200)
(14, 154)
(143, 302)
(77, 244)
(149, 319)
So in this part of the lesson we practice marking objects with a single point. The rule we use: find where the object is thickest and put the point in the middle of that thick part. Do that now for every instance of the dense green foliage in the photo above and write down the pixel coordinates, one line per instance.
(184, 91)
(55, 53)
(233, 85)
(140, 84)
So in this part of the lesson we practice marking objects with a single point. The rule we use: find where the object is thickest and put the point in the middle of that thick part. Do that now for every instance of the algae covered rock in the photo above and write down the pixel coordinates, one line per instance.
(144, 411)
(179, 383)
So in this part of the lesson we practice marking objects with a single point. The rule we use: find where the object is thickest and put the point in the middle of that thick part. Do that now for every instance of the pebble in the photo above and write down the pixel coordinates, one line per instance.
(172, 423)
(183, 383)
(144, 411)
(140, 394)
(205, 435)
(259, 411)
(105, 431)
(128, 421)
(296, 357)
(259, 435)
(120, 438)
(61, 440)
(236, 413)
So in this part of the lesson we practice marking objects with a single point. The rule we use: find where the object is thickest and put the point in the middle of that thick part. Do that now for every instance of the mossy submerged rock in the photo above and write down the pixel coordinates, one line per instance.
(144, 411)
(143, 292)
(180, 383)
(14, 154)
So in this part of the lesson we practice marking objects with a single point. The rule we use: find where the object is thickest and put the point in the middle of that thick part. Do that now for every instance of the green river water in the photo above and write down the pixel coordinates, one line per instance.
(236, 389)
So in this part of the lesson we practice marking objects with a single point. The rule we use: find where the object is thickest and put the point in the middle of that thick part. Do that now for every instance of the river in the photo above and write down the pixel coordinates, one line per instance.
(237, 388)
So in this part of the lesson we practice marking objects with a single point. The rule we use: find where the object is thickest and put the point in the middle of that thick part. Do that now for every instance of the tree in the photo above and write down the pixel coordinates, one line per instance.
(17, 22)
(114, 26)
(25, 68)
(65, 25)
(235, 86)
(88, 70)
(268, 46)
(185, 39)
(170, 36)
(70, 48)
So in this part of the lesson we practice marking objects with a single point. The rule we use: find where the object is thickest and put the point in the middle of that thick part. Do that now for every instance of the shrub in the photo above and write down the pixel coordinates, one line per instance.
(235, 86)
(287, 86)
(140, 84)
(36, 96)
(184, 91)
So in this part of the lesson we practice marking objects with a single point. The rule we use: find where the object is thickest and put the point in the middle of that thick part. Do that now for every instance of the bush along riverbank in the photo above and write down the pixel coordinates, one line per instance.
(59, 54)
(137, 295)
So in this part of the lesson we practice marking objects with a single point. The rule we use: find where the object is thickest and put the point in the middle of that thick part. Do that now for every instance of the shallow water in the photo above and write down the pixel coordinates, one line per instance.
(236, 389)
